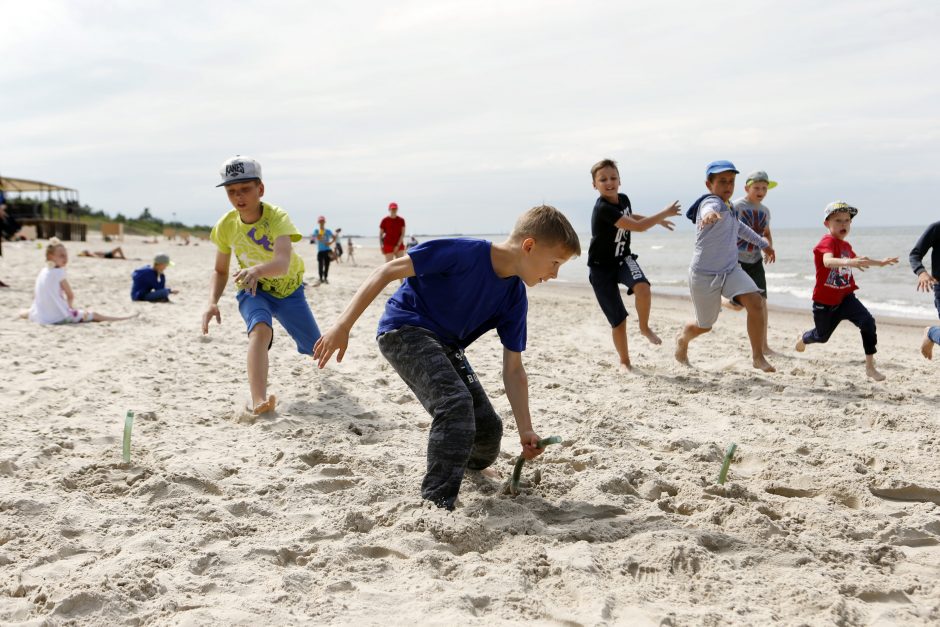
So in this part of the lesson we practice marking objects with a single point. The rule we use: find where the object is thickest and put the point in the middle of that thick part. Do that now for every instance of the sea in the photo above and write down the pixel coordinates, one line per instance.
(665, 255)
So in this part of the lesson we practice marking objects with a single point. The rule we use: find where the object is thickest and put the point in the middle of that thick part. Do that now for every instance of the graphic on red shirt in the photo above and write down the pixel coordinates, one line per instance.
(833, 284)
(392, 229)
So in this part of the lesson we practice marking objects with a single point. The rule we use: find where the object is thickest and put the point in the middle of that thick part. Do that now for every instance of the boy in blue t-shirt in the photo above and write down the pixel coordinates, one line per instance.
(149, 282)
(454, 291)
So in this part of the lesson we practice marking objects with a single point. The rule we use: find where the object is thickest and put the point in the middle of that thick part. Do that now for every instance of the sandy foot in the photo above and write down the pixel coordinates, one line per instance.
(651, 336)
(682, 350)
(926, 345)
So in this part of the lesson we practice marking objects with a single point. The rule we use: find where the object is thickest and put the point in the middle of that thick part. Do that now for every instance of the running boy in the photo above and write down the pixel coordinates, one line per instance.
(753, 213)
(714, 271)
(833, 300)
(928, 281)
(610, 260)
(457, 290)
(260, 235)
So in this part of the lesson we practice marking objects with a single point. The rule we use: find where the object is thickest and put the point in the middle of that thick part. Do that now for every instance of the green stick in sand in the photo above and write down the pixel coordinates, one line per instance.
(128, 425)
(517, 470)
(726, 463)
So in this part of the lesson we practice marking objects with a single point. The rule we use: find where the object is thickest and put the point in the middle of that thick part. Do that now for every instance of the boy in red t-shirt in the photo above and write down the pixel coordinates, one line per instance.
(833, 298)
(392, 233)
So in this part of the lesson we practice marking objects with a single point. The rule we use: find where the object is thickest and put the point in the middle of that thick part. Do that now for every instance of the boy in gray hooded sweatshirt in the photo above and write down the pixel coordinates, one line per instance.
(714, 271)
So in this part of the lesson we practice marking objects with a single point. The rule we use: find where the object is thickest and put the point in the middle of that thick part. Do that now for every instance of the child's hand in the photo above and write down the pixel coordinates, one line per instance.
(212, 311)
(888, 261)
(770, 255)
(669, 212)
(247, 279)
(711, 218)
(530, 440)
(860, 262)
(925, 282)
(337, 338)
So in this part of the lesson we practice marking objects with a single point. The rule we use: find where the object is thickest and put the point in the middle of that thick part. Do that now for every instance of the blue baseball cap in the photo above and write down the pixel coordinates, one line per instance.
(716, 167)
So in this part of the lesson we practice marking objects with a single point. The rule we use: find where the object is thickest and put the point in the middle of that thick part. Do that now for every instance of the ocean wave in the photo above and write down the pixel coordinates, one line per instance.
(782, 275)
(798, 292)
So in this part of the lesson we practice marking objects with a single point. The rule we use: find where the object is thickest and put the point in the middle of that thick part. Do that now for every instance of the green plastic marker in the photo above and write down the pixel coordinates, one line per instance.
(517, 469)
(726, 463)
(128, 425)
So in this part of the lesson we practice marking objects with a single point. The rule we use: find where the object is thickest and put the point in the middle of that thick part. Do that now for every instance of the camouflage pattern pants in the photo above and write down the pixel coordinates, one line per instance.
(465, 431)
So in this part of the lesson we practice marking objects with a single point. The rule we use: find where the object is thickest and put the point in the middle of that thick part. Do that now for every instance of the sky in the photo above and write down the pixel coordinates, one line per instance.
(468, 113)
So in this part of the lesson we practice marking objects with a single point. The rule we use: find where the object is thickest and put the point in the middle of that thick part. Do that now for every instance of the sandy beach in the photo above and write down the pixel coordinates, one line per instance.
(312, 515)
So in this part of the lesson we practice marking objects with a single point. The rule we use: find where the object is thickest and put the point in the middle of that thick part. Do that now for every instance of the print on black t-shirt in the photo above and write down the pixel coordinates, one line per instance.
(609, 245)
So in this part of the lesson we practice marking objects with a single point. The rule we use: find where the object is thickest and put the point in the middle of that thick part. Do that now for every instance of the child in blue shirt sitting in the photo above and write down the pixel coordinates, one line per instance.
(149, 282)
(454, 291)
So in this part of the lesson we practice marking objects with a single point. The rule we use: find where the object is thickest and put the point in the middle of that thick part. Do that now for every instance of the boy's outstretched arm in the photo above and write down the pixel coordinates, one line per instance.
(337, 337)
(642, 223)
(216, 287)
(516, 383)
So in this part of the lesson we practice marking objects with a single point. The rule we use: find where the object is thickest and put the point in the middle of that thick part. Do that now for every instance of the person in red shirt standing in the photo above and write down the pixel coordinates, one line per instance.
(833, 297)
(392, 234)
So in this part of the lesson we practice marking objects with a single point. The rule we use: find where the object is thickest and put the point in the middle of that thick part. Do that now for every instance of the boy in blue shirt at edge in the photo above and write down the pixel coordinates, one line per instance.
(927, 281)
(454, 291)
(714, 270)
(269, 276)
(149, 282)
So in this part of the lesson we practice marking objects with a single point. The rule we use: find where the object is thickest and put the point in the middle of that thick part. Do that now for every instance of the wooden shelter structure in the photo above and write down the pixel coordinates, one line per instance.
(48, 207)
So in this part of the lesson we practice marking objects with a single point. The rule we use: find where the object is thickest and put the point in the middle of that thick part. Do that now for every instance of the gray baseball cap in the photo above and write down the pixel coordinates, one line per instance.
(162, 258)
(837, 206)
(759, 176)
(239, 169)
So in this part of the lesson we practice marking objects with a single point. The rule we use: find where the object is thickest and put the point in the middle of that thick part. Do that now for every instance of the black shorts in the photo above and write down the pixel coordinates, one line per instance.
(756, 272)
(606, 281)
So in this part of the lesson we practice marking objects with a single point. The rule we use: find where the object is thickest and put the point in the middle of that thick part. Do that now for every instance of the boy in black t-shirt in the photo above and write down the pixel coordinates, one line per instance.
(610, 260)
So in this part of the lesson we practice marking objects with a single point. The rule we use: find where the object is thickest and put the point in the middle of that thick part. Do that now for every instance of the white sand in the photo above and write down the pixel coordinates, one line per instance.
(312, 515)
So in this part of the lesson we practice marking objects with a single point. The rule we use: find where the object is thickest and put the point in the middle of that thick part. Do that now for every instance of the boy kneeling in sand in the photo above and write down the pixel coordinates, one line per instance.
(715, 272)
(260, 235)
(454, 291)
(833, 300)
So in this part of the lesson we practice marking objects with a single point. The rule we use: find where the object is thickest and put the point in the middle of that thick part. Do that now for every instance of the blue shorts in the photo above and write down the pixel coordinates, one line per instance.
(605, 282)
(292, 312)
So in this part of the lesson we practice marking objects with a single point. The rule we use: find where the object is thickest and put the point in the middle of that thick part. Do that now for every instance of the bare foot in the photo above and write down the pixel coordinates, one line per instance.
(926, 346)
(265, 406)
(730, 304)
(490, 473)
(874, 374)
(762, 364)
(682, 350)
(625, 368)
(800, 346)
(652, 337)
(769, 352)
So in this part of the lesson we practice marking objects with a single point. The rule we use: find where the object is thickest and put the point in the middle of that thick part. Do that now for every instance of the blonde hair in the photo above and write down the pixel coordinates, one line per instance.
(547, 225)
(54, 242)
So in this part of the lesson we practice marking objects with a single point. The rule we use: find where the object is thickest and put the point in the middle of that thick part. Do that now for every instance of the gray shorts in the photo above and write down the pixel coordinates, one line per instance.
(707, 290)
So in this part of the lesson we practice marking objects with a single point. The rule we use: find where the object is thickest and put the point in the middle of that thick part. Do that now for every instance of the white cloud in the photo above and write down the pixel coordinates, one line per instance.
(467, 113)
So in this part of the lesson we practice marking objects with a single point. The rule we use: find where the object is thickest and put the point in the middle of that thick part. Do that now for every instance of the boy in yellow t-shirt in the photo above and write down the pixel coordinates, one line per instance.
(270, 274)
